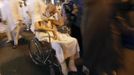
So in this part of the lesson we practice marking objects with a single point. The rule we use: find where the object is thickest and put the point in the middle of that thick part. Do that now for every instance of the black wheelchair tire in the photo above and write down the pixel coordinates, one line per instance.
(54, 69)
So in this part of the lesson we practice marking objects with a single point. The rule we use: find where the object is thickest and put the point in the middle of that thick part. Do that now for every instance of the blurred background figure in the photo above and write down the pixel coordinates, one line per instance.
(25, 13)
(102, 55)
(12, 17)
(107, 28)
(72, 12)
(2, 26)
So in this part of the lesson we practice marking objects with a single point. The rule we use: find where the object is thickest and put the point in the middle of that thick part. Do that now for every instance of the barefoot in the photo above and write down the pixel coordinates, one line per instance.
(72, 66)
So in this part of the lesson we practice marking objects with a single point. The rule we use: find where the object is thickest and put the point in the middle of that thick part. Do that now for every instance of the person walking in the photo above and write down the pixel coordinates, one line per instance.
(12, 17)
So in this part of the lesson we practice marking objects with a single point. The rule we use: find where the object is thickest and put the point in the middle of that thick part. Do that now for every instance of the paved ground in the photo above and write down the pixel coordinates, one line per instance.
(128, 63)
(17, 61)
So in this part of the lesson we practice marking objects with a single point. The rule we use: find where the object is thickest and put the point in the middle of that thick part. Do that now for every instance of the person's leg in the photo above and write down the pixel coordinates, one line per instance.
(71, 50)
(8, 34)
(60, 56)
(9, 37)
(64, 68)
(13, 33)
(71, 64)
(16, 35)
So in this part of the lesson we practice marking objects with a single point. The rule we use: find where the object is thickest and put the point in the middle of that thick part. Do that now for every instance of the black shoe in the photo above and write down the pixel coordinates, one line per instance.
(72, 73)
(14, 46)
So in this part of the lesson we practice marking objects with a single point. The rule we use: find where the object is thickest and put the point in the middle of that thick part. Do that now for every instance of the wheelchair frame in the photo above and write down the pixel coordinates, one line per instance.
(49, 60)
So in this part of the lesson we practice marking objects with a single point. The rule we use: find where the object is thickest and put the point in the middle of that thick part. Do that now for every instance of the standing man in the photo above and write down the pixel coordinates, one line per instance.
(100, 54)
(25, 14)
(36, 10)
(13, 18)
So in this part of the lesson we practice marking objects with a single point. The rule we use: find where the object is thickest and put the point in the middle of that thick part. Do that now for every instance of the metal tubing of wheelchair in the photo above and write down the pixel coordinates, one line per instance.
(52, 72)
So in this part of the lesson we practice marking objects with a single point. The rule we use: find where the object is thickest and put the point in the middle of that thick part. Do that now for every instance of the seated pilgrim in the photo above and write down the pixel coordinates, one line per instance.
(66, 46)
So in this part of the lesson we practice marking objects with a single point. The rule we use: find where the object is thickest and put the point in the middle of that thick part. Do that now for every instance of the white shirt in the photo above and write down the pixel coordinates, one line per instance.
(10, 12)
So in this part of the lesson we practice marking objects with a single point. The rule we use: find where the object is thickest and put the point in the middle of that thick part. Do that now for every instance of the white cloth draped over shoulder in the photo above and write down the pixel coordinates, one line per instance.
(10, 13)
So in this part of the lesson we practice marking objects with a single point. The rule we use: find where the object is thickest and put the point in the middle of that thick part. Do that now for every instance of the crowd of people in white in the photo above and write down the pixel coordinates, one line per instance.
(37, 15)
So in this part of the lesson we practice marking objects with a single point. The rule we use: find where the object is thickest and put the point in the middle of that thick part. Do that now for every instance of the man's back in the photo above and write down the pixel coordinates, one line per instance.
(99, 53)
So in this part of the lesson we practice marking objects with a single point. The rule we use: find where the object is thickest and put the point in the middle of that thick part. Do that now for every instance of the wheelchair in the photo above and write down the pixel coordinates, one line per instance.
(42, 53)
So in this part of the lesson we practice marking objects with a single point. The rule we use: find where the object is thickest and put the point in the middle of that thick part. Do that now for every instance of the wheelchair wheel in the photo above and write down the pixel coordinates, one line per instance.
(50, 62)
(33, 50)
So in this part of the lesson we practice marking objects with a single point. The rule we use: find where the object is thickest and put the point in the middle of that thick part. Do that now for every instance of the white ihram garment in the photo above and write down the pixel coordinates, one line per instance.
(36, 8)
(65, 47)
(26, 17)
(11, 14)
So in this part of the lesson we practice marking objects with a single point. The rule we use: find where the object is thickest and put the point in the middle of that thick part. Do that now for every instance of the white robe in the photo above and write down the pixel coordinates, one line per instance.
(2, 28)
(10, 13)
(68, 45)
(24, 12)
(36, 8)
